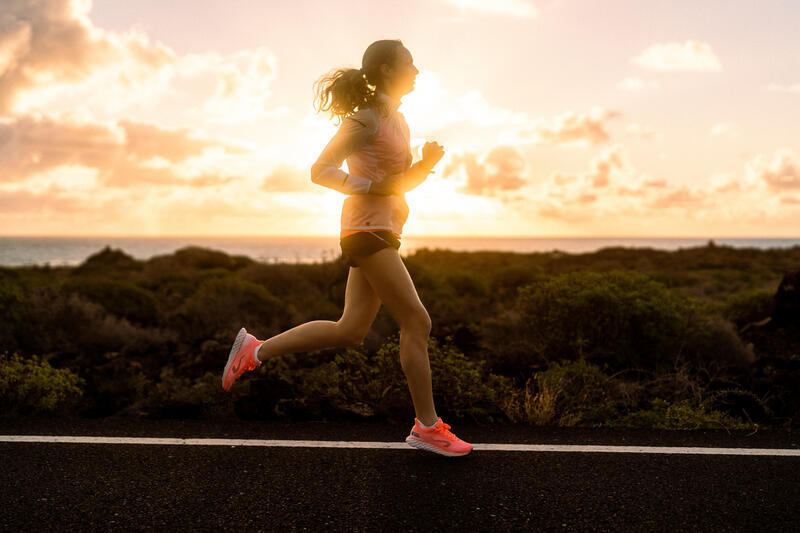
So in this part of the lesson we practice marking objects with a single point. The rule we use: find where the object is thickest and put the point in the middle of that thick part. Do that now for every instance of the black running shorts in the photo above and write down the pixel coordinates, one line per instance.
(364, 243)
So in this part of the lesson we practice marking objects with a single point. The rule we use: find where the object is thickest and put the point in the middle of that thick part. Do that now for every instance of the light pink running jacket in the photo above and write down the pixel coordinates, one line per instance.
(376, 143)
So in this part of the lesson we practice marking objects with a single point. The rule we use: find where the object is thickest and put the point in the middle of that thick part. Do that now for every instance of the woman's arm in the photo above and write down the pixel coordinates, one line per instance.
(416, 174)
(356, 131)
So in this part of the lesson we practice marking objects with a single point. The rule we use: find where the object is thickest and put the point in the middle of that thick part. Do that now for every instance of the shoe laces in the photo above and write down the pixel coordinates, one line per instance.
(444, 430)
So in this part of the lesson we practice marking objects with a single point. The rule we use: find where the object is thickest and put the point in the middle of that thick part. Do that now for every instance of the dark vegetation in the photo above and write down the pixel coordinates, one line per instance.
(699, 337)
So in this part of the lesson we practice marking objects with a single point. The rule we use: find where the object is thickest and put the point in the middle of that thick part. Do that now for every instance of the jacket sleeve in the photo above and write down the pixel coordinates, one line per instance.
(355, 132)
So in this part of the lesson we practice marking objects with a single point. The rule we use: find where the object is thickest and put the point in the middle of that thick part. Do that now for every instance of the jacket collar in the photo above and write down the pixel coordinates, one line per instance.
(387, 101)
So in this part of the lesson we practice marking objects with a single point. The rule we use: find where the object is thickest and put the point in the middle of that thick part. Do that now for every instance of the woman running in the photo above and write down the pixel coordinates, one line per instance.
(375, 141)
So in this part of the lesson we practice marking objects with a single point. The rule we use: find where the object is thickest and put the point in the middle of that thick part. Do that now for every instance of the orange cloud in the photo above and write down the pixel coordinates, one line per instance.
(691, 55)
(571, 128)
(603, 165)
(681, 197)
(499, 170)
(35, 143)
(782, 173)
(26, 202)
(48, 42)
(286, 178)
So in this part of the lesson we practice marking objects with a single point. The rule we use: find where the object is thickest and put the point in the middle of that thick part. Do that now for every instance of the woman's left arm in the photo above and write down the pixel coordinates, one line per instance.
(415, 175)
(432, 152)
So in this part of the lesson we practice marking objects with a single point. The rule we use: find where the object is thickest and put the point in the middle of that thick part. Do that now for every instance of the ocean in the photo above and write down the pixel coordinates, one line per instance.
(72, 251)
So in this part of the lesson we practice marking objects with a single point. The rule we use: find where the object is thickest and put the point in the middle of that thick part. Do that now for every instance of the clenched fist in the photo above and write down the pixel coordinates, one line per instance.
(432, 152)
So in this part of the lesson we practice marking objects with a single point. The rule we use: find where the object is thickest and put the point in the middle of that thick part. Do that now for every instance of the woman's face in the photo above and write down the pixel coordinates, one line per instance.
(400, 78)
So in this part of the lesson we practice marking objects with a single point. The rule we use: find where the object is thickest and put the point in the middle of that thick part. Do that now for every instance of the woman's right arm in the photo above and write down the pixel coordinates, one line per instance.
(356, 131)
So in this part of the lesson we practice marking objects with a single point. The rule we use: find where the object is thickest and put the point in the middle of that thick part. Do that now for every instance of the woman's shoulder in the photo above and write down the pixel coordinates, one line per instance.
(366, 116)
(365, 122)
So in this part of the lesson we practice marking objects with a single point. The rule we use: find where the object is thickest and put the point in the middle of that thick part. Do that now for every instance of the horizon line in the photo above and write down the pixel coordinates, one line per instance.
(328, 236)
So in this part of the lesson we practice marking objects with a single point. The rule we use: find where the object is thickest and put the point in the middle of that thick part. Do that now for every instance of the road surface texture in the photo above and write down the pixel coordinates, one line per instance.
(57, 486)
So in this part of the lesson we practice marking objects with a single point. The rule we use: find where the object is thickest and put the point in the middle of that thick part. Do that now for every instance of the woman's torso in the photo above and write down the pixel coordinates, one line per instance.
(389, 153)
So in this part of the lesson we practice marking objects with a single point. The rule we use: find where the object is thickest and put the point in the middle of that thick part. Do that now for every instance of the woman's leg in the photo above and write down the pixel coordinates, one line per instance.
(360, 307)
(389, 278)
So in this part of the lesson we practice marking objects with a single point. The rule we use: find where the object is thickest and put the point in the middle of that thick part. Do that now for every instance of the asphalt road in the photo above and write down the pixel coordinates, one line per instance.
(116, 487)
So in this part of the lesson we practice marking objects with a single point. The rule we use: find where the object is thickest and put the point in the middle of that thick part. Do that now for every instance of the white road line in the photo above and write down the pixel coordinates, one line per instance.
(400, 445)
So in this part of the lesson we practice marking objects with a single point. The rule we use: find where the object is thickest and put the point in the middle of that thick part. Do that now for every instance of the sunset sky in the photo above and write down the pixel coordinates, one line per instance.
(558, 118)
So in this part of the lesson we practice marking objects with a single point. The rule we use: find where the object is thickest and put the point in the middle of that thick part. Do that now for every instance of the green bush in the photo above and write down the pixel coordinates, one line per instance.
(567, 393)
(741, 404)
(679, 415)
(121, 298)
(13, 303)
(176, 396)
(376, 385)
(747, 307)
(624, 318)
(225, 305)
(31, 385)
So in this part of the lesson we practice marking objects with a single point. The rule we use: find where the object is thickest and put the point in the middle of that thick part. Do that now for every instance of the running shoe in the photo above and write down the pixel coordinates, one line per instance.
(437, 439)
(241, 358)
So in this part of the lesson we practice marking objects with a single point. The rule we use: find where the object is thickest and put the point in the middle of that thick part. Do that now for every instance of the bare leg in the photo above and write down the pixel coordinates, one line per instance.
(360, 307)
(389, 278)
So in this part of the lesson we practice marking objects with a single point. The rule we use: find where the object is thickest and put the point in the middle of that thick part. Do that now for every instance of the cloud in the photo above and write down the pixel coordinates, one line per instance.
(783, 172)
(125, 154)
(499, 171)
(682, 197)
(613, 188)
(571, 128)
(27, 202)
(602, 166)
(723, 128)
(691, 55)
(517, 8)
(790, 200)
(645, 132)
(774, 87)
(287, 178)
(47, 43)
(636, 85)
(52, 57)
(242, 88)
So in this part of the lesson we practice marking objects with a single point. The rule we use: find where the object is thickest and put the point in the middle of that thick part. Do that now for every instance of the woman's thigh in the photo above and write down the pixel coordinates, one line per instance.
(389, 278)
(361, 304)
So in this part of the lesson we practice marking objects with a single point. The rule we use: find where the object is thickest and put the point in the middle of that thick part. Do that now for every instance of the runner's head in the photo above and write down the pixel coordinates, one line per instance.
(386, 66)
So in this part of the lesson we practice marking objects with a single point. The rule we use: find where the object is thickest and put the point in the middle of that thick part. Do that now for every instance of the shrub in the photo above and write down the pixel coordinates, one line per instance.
(196, 257)
(121, 298)
(31, 385)
(224, 305)
(376, 385)
(679, 415)
(566, 394)
(714, 341)
(738, 403)
(621, 317)
(747, 307)
(106, 261)
(12, 307)
(176, 396)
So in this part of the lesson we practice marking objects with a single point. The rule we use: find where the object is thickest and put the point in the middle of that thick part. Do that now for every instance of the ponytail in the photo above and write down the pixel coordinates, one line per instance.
(342, 91)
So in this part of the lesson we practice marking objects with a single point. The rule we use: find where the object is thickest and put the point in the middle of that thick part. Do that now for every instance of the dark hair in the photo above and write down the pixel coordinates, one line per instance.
(351, 88)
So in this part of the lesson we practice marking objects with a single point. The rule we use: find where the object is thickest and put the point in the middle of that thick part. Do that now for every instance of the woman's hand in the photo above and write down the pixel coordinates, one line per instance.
(431, 154)
(391, 184)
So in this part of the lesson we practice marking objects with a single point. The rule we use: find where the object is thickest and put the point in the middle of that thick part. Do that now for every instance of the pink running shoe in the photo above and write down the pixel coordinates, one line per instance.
(437, 439)
(241, 358)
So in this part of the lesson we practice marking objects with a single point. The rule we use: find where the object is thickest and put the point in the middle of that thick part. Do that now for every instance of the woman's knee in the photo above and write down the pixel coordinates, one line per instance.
(351, 335)
(419, 323)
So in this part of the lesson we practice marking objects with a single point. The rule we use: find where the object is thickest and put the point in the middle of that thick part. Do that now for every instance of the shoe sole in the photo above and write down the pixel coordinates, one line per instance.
(431, 448)
(236, 345)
